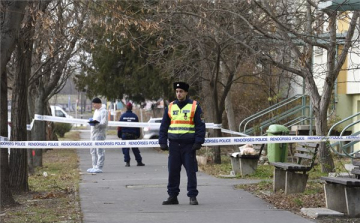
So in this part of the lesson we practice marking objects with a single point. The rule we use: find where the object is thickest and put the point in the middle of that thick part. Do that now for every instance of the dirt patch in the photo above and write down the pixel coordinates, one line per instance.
(313, 197)
(292, 202)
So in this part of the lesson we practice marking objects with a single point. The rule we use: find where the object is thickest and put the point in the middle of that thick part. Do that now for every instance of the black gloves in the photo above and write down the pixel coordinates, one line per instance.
(196, 146)
(164, 147)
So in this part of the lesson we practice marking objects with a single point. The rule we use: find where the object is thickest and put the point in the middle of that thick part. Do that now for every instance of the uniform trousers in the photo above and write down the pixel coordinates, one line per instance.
(126, 151)
(182, 154)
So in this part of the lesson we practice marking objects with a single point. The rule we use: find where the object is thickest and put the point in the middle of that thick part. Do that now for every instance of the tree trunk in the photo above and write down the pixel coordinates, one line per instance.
(19, 175)
(12, 13)
(217, 133)
(321, 104)
(18, 157)
(30, 162)
(325, 157)
(218, 120)
(216, 149)
(37, 159)
(208, 106)
(228, 105)
(31, 107)
(230, 113)
(39, 133)
(6, 198)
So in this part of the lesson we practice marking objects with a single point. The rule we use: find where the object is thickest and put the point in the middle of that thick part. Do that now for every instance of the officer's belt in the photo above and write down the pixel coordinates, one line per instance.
(181, 128)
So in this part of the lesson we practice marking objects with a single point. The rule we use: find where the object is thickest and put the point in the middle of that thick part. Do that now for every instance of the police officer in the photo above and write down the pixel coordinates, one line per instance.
(183, 127)
(128, 133)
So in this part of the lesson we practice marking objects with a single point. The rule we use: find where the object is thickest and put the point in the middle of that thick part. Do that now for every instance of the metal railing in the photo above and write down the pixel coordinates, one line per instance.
(343, 145)
(277, 107)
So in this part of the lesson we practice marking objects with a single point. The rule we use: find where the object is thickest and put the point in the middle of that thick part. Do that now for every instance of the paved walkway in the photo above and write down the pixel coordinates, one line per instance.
(134, 194)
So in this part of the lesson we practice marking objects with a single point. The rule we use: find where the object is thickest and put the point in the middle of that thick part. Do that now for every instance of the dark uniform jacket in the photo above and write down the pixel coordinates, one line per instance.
(127, 132)
(199, 135)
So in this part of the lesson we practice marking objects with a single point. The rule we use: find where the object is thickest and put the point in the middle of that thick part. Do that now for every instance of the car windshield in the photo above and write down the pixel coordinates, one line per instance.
(59, 113)
(156, 120)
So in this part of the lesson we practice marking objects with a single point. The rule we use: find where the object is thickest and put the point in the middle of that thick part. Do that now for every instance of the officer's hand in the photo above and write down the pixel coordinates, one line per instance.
(164, 147)
(196, 146)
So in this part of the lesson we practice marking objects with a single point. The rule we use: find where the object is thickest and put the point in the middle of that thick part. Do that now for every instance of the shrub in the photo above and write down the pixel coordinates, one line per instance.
(62, 128)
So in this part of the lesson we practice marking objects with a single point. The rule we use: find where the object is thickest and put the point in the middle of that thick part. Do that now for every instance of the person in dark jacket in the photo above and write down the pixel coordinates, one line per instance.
(128, 133)
(183, 127)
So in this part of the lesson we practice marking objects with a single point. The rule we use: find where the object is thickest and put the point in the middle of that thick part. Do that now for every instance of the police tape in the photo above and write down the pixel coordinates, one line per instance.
(110, 123)
(222, 141)
(119, 124)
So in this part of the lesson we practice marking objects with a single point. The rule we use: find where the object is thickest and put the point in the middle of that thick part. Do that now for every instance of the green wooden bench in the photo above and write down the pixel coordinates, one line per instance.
(292, 177)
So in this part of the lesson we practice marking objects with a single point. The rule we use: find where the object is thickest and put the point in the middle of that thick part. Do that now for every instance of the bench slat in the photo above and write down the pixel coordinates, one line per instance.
(249, 156)
(356, 162)
(342, 180)
(304, 156)
(355, 171)
(308, 144)
(306, 150)
(291, 166)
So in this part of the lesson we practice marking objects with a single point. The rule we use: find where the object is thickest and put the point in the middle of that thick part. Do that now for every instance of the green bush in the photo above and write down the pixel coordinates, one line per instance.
(61, 128)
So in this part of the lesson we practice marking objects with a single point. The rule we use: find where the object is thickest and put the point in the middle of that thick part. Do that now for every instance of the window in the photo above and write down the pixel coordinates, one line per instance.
(318, 51)
(59, 113)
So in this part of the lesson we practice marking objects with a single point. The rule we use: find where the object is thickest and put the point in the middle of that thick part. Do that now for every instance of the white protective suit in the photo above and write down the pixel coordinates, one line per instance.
(98, 132)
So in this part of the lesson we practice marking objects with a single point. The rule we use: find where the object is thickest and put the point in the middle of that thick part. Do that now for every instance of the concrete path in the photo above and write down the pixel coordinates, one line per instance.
(134, 194)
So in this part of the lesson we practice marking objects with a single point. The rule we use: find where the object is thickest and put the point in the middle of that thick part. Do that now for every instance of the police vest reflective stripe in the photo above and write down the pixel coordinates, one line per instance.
(182, 120)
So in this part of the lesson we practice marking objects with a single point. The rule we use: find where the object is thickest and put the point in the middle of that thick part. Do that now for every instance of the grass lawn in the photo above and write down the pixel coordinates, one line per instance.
(53, 195)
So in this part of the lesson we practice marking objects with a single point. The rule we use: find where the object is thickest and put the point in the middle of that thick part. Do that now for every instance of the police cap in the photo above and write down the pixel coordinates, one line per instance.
(181, 85)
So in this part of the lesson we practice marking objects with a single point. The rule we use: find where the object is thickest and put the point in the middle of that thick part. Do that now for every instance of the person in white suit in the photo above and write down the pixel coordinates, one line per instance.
(98, 132)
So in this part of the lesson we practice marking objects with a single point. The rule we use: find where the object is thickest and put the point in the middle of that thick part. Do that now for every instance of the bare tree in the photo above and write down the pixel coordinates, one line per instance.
(18, 157)
(11, 14)
(278, 33)
(197, 38)
(58, 31)
(299, 25)
(6, 197)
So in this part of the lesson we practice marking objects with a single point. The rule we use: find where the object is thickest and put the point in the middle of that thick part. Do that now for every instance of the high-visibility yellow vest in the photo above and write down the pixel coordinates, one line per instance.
(182, 120)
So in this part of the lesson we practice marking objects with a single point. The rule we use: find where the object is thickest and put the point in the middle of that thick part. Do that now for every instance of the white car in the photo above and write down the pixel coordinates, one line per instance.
(59, 112)
(152, 132)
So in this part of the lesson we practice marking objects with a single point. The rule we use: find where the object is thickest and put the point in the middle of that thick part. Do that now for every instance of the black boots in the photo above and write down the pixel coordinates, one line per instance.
(127, 164)
(171, 200)
(174, 200)
(193, 201)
